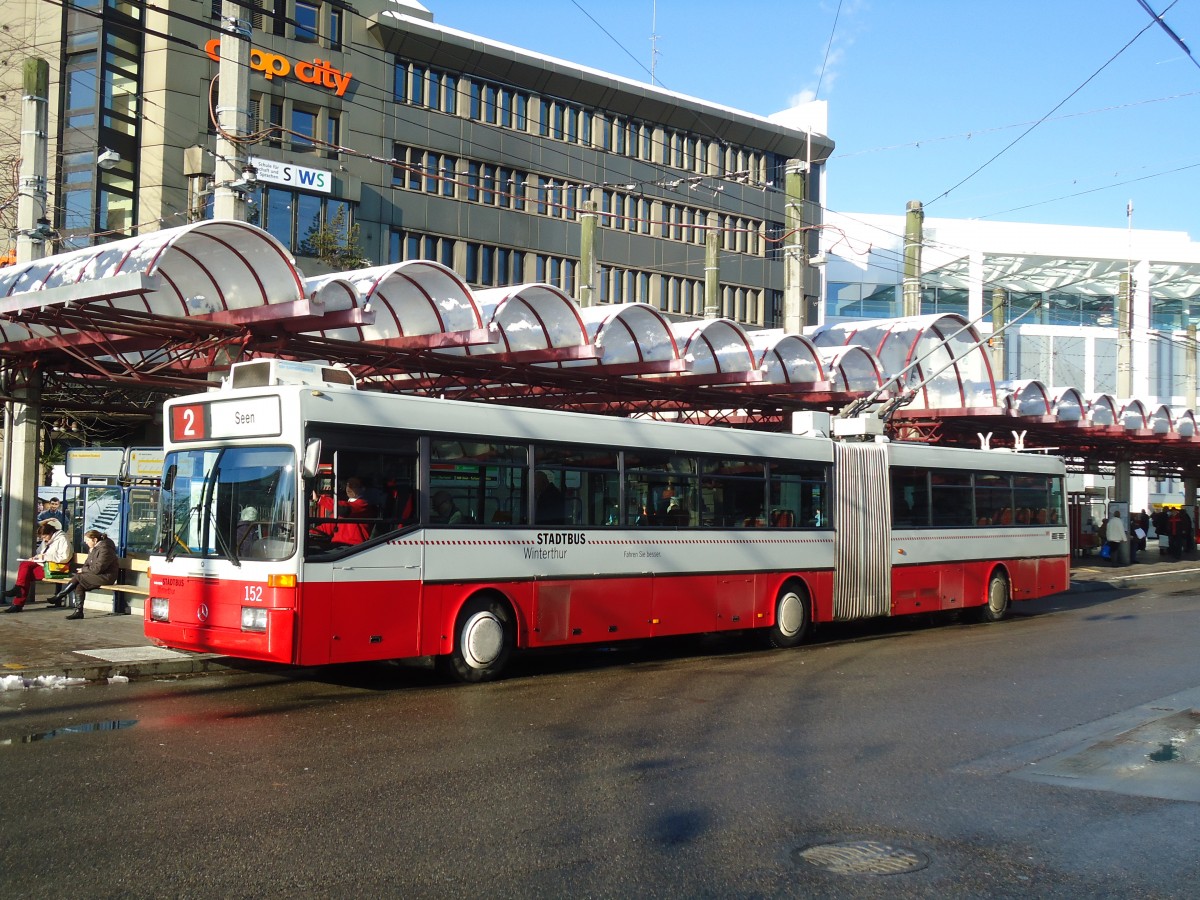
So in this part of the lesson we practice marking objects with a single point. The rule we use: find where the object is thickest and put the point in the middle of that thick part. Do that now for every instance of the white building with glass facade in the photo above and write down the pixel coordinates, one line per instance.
(1061, 287)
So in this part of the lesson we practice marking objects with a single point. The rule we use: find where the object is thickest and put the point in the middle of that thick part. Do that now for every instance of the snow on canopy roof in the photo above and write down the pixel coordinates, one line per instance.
(629, 333)
(1068, 405)
(415, 297)
(1159, 421)
(528, 317)
(945, 352)
(204, 267)
(1102, 410)
(1185, 424)
(1026, 398)
(786, 358)
(851, 368)
(715, 345)
(1133, 415)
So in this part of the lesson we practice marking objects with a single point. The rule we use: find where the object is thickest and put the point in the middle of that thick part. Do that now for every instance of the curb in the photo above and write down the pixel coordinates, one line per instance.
(1106, 579)
(196, 664)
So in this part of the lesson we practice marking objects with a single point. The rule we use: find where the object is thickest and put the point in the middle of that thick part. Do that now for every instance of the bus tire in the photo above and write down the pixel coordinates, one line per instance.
(995, 606)
(793, 617)
(483, 640)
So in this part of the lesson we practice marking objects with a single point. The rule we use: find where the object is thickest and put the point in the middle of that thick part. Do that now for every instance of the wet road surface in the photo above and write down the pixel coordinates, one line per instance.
(968, 761)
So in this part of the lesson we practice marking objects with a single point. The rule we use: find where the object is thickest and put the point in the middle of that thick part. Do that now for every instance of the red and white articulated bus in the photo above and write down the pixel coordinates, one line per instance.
(307, 522)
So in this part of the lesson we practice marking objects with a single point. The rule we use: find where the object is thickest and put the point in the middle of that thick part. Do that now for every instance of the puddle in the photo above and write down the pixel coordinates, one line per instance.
(1159, 758)
(115, 725)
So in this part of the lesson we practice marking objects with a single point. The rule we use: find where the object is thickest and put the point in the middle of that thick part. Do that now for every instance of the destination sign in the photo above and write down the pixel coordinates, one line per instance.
(219, 419)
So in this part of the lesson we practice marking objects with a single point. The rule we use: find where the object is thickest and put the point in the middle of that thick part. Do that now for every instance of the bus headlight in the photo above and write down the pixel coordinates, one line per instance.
(160, 609)
(254, 618)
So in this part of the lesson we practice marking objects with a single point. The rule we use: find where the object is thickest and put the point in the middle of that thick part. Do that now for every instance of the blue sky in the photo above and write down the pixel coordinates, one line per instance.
(923, 92)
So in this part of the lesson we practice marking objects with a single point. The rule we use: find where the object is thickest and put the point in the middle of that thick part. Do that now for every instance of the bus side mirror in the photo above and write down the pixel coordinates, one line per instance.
(312, 457)
(168, 481)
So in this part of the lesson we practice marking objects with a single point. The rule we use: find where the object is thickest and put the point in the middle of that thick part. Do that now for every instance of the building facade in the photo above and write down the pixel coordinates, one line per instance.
(1104, 310)
(411, 140)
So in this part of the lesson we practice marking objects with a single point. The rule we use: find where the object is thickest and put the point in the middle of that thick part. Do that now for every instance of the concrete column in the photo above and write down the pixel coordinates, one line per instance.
(795, 249)
(233, 111)
(22, 429)
(1124, 349)
(914, 221)
(31, 200)
(998, 342)
(712, 275)
(588, 271)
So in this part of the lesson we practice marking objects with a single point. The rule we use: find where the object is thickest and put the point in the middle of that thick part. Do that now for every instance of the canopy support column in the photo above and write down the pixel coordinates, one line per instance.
(22, 428)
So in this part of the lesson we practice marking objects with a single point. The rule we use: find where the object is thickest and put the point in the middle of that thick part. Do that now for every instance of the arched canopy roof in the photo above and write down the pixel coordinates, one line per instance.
(1068, 405)
(1185, 424)
(199, 269)
(409, 299)
(529, 317)
(851, 369)
(943, 354)
(1133, 415)
(1159, 420)
(716, 346)
(1102, 410)
(1027, 398)
(629, 333)
(787, 358)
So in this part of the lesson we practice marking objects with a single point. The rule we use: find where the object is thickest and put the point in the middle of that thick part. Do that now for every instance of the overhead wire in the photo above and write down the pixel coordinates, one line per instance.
(1031, 128)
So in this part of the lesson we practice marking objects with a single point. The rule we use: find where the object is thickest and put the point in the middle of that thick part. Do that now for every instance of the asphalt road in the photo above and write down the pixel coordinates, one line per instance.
(976, 760)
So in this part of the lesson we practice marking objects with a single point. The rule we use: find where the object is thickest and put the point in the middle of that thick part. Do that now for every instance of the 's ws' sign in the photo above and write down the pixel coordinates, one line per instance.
(275, 172)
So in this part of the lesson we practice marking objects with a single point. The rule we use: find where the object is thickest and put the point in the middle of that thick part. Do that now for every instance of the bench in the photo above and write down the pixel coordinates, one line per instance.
(130, 568)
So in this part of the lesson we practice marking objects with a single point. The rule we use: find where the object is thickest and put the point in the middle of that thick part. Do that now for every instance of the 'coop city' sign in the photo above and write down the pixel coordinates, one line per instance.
(319, 72)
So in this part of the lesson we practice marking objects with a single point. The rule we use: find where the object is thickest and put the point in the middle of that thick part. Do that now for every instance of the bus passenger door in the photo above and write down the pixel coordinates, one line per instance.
(376, 603)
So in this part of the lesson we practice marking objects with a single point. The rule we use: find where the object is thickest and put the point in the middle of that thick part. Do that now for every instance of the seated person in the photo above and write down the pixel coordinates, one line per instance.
(349, 527)
(248, 531)
(443, 511)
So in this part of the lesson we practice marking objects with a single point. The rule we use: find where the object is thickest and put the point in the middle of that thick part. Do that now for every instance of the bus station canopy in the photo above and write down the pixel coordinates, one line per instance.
(116, 328)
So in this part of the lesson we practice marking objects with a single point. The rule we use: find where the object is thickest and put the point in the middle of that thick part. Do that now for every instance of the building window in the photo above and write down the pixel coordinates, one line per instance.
(82, 90)
(293, 217)
(335, 29)
(304, 128)
(333, 131)
(307, 22)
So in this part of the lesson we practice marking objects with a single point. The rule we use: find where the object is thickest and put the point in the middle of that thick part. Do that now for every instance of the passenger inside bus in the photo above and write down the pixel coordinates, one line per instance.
(352, 525)
(548, 506)
(442, 510)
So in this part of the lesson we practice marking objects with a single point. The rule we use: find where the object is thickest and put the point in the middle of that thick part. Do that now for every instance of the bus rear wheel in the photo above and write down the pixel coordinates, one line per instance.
(996, 606)
(793, 616)
(483, 641)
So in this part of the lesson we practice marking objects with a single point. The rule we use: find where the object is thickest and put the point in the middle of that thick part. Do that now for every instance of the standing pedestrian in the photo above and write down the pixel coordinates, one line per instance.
(1114, 533)
(1175, 530)
(54, 511)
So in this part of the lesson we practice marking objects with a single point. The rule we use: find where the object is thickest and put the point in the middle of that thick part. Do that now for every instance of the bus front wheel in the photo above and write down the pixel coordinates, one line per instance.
(793, 615)
(995, 606)
(483, 640)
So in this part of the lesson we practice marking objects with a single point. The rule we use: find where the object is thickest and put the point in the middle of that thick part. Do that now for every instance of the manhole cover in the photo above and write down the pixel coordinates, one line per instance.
(863, 858)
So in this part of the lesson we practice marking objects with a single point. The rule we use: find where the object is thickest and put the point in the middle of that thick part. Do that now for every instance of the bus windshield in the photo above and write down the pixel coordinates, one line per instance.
(235, 503)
